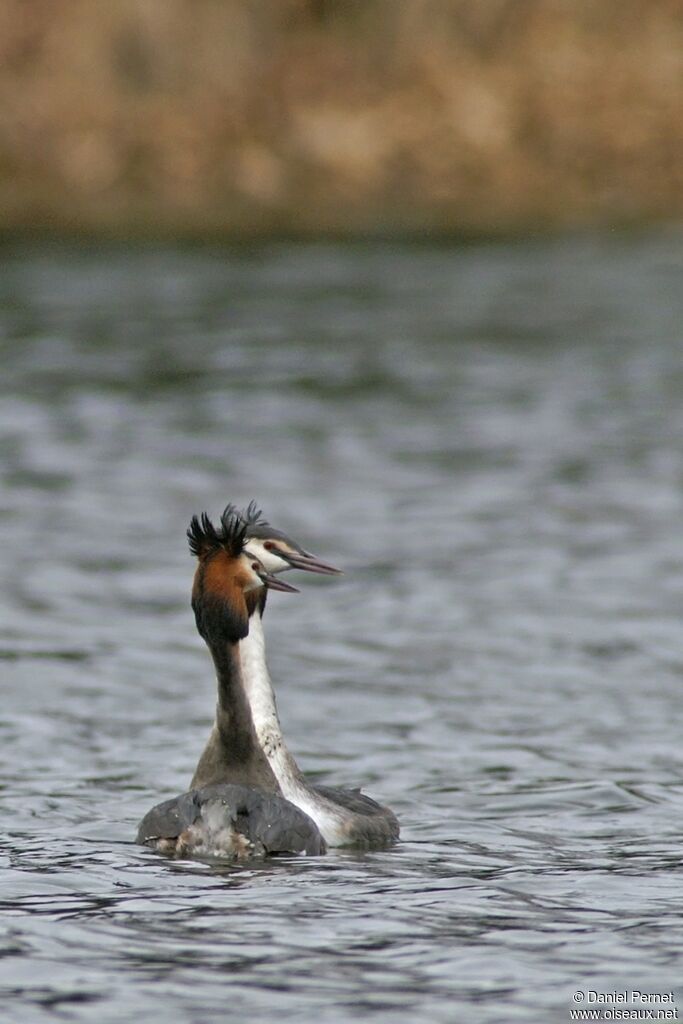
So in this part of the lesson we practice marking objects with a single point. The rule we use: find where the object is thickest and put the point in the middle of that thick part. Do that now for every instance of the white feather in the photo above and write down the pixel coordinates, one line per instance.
(259, 691)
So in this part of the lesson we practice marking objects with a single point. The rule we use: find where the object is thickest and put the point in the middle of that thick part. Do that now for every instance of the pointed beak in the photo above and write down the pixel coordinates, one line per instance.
(273, 583)
(309, 563)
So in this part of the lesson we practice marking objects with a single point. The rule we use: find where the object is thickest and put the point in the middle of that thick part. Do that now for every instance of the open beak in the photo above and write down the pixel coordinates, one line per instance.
(273, 583)
(309, 563)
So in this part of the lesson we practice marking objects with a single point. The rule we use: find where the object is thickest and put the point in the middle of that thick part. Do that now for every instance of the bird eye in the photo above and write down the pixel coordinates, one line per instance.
(268, 545)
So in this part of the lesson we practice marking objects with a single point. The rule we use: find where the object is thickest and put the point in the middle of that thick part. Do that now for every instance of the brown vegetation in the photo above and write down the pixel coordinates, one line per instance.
(302, 116)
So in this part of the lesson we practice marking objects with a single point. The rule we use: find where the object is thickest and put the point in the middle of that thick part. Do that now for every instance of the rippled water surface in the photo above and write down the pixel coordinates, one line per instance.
(489, 440)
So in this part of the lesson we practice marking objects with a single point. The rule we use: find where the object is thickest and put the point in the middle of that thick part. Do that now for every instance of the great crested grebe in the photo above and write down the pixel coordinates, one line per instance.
(274, 549)
(344, 817)
(241, 813)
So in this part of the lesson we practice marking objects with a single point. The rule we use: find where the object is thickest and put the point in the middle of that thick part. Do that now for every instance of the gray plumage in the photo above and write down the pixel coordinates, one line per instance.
(226, 819)
(357, 802)
(370, 824)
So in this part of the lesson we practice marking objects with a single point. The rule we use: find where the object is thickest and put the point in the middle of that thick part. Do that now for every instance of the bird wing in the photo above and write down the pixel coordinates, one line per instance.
(267, 820)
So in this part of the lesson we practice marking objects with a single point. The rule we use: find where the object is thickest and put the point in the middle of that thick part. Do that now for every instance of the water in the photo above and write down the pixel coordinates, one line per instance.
(488, 439)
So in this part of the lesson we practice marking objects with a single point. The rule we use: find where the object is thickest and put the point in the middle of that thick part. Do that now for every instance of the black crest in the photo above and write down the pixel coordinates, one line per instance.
(204, 539)
(253, 516)
(250, 516)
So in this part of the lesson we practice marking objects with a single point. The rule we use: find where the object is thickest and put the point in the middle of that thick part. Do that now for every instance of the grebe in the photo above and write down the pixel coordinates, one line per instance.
(344, 817)
(241, 813)
(274, 549)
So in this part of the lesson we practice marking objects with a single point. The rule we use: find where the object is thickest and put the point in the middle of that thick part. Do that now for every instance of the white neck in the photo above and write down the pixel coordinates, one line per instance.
(259, 692)
(258, 687)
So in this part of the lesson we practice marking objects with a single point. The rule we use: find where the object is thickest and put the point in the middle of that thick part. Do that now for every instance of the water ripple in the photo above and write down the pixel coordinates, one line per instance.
(488, 440)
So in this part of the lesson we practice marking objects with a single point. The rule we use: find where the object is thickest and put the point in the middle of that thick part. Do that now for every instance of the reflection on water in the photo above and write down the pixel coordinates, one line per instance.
(488, 439)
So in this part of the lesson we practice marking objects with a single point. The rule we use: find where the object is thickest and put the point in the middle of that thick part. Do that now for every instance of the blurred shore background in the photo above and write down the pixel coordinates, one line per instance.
(184, 118)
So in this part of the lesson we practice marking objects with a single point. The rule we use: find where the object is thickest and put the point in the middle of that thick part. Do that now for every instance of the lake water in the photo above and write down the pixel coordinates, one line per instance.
(489, 440)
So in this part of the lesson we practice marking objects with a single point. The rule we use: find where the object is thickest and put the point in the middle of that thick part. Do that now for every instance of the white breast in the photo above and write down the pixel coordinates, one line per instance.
(293, 785)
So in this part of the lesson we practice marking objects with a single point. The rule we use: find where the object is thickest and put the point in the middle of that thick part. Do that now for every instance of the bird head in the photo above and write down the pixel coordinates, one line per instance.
(229, 579)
